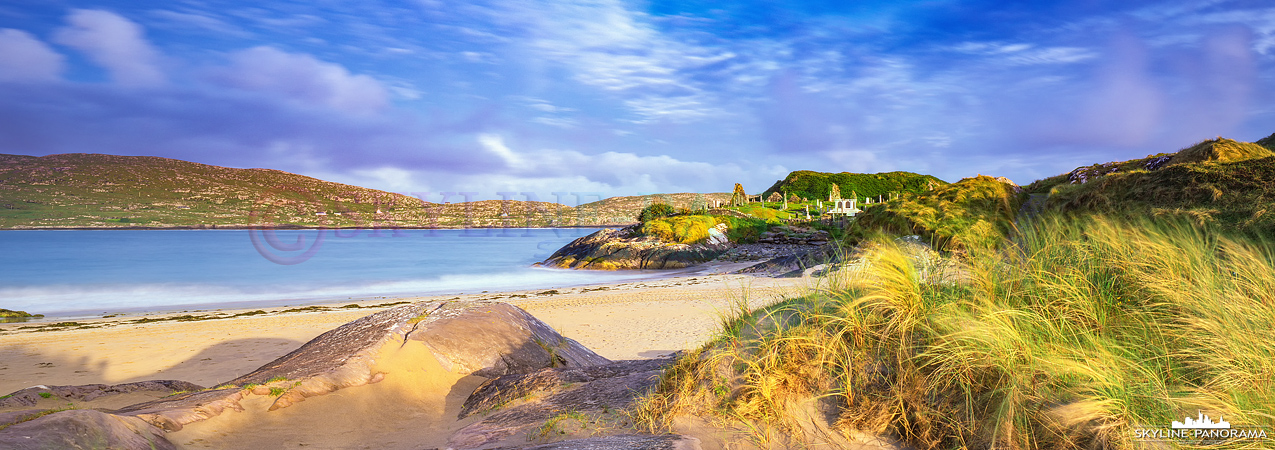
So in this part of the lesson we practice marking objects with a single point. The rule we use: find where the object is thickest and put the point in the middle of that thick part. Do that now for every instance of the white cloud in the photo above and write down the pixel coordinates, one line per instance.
(1026, 54)
(301, 77)
(25, 58)
(616, 172)
(115, 43)
(607, 46)
(186, 20)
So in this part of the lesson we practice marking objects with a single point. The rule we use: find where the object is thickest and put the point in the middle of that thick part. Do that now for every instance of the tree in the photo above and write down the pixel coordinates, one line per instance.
(655, 211)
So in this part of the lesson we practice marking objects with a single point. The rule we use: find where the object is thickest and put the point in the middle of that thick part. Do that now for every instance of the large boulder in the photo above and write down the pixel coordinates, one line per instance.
(82, 429)
(597, 390)
(482, 338)
(627, 249)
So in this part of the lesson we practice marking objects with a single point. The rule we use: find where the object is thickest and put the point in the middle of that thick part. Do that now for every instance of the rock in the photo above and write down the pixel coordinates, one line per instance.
(795, 265)
(621, 442)
(482, 338)
(84, 429)
(502, 390)
(593, 389)
(89, 392)
(625, 249)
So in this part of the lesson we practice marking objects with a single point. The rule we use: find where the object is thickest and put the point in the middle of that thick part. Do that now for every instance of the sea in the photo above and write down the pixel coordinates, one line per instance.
(86, 273)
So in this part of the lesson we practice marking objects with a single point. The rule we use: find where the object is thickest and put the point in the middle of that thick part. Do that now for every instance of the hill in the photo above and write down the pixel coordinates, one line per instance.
(973, 212)
(813, 185)
(624, 210)
(94, 190)
(1218, 181)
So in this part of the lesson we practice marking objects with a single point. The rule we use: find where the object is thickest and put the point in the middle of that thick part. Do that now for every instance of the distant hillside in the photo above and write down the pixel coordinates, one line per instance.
(626, 209)
(1215, 181)
(816, 185)
(1268, 142)
(93, 190)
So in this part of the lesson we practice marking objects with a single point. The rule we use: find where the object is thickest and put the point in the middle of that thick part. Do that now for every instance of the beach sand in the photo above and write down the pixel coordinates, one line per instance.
(633, 320)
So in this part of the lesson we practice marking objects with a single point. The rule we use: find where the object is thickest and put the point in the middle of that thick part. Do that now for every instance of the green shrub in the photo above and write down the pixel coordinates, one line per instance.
(680, 229)
(694, 228)
(655, 211)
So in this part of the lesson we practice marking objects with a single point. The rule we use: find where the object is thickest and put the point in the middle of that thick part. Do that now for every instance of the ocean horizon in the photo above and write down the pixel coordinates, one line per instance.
(82, 273)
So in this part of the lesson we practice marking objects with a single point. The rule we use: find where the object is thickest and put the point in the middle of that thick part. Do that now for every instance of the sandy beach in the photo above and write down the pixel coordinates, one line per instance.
(636, 320)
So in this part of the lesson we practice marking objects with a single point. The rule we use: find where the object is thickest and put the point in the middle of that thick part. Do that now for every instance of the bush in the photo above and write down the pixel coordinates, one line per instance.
(693, 229)
(655, 211)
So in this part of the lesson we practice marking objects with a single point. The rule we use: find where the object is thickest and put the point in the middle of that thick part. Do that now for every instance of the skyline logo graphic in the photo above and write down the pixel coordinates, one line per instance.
(1201, 422)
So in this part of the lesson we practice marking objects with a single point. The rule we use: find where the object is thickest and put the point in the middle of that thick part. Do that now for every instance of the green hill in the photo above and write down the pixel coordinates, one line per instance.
(94, 190)
(973, 212)
(1268, 142)
(812, 185)
(1218, 181)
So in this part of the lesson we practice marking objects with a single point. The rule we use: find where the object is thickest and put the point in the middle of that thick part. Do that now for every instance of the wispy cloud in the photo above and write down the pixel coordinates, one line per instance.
(27, 58)
(115, 43)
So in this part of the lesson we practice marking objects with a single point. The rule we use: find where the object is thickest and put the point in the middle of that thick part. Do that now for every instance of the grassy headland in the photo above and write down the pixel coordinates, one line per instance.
(812, 185)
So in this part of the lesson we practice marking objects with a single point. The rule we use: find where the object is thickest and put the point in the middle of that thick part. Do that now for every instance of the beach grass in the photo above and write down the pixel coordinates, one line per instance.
(1072, 333)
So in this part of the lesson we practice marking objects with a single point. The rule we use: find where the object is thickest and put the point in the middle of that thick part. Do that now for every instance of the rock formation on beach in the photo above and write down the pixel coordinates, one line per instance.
(516, 352)
(626, 249)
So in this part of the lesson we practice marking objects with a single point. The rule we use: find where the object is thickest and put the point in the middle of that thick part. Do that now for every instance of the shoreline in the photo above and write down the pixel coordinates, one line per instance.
(639, 319)
(329, 302)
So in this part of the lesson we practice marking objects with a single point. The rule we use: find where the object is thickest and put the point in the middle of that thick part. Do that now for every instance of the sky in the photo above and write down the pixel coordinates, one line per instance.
(613, 97)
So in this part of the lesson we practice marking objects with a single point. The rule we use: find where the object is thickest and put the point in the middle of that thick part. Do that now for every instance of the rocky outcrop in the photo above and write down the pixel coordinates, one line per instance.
(593, 390)
(796, 265)
(483, 338)
(89, 392)
(782, 237)
(83, 429)
(625, 249)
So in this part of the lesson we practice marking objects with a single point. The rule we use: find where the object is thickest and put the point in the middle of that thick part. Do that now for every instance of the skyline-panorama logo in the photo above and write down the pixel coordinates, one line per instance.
(1201, 422)
(1200, 430)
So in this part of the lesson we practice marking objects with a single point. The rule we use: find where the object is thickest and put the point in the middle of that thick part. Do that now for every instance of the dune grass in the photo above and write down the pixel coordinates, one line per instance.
(1072, 334)
(974, 212)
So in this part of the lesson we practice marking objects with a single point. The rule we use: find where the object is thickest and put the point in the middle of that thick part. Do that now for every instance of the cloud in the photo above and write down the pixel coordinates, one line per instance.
(184, 21)
(609, 47)
(115, 43)
(303, 78)
(26, 58)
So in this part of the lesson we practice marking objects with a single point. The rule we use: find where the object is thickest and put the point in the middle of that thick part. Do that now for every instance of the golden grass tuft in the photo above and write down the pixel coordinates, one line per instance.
(1066, 336)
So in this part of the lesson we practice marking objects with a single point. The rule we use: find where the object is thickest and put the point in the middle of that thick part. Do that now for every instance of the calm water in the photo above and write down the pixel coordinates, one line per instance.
(79, 272)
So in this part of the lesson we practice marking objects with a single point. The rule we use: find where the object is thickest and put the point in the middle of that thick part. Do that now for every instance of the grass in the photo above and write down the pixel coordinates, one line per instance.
(33, 416)
(1069, 334)
(972, 213)
(692, 229)
(1236, 195)
(564, 423)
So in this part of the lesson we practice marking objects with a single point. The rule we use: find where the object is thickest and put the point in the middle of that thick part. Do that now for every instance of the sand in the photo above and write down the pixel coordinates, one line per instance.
(622, 321)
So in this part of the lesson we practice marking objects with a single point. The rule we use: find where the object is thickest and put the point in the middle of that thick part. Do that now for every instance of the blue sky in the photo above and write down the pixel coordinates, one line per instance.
(628, 97)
